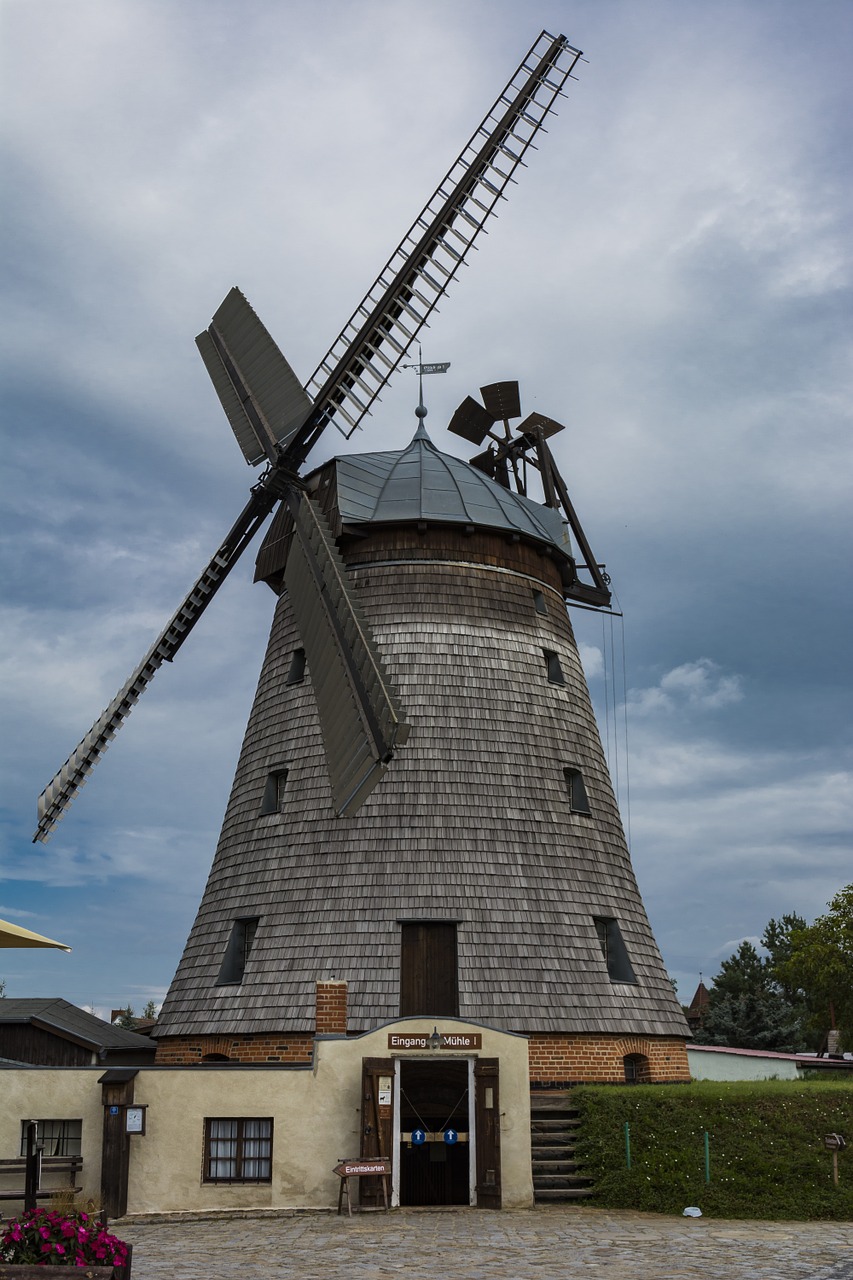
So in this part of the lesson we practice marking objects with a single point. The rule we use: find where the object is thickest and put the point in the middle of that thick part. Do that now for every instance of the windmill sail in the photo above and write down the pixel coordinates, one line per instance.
(273, 417)
(65, 784)
(262, 397)
(360, 718)
(429, 256)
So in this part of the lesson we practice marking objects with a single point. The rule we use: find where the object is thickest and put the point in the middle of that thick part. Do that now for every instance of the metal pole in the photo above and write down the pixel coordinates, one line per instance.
(707, 1158)
(627, 1145)
(32, 1172)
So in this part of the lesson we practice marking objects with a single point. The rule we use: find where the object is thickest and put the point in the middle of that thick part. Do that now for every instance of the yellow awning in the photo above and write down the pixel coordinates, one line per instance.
(12, 935)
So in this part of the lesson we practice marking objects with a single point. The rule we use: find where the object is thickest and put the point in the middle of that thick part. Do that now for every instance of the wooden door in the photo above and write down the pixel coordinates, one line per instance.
(488, 1123)
(428, 969)
(377, 1121)
(117, 1094)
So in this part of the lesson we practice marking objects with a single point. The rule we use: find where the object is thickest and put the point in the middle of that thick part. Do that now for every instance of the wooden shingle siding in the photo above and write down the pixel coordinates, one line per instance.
(471, 823)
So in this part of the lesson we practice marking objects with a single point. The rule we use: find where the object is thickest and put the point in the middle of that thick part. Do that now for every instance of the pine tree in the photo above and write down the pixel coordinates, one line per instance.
(748, 1010)
(752, 1020)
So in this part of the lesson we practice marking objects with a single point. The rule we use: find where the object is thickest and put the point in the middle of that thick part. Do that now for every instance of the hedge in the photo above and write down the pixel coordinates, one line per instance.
(766, 1145)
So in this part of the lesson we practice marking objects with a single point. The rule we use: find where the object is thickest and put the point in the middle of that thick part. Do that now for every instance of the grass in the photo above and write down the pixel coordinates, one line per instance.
(767, 1154)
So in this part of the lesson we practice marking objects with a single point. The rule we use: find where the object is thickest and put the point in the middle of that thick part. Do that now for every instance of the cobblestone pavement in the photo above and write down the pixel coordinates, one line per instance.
(471, 1244)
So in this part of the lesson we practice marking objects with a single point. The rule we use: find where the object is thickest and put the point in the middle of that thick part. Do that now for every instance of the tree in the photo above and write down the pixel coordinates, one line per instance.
(820, 964)
(126, 1019)
(752, 1020)
(777, 941)
(788, 1000)
(150, 1010)
(2, 987)
(746, 1008)
(744, 973)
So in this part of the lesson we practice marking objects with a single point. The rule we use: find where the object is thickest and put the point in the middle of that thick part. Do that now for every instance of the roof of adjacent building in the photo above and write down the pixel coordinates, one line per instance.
(699, 1003)
(72, 1022)
(419, 483)
(806, 1059)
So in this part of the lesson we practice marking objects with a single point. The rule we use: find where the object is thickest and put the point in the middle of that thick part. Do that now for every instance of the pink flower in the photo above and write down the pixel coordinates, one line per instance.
(44, 1233)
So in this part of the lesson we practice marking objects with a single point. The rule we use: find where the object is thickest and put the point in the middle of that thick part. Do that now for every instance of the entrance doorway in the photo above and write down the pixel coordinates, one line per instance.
(434, 1102)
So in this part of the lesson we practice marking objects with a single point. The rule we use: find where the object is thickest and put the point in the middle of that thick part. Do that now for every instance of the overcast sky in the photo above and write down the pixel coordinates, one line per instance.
(671, 278)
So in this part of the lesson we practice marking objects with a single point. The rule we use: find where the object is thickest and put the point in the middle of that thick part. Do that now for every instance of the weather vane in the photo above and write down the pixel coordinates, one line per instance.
(420, 368)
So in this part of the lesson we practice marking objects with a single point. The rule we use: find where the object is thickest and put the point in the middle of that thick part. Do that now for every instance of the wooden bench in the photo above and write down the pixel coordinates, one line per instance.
(70, 1165)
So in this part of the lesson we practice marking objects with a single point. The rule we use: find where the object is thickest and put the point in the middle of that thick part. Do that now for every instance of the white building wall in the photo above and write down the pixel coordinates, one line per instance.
(315, 1111)
(713, 1064)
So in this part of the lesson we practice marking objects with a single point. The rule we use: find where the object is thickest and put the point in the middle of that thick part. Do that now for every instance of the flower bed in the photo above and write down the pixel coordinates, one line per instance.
(41, 1238)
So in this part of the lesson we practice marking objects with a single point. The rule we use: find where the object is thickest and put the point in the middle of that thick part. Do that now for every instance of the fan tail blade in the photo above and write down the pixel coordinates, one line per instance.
(65, 784)
(502, 400)
(471, 421)
(263, 399)
(360, 717)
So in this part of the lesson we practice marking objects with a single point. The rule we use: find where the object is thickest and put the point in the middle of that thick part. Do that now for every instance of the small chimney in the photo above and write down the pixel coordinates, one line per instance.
(331, 1018)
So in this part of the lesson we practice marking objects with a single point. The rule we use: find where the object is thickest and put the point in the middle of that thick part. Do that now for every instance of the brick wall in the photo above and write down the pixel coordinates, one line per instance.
(600, 1059)
(264, 1047)
(331, 1017)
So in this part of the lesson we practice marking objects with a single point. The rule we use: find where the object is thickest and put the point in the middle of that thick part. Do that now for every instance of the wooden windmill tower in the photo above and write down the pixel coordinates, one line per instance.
(422, 809)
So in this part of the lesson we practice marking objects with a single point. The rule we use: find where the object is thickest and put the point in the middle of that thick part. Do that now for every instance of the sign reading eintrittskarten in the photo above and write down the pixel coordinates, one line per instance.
(458, 1040)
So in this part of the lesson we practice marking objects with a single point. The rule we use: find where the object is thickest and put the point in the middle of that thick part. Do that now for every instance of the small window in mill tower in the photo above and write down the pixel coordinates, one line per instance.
(539, 602)
(578, 802)
(553, 667)
(613, 949)
(274, 792)
(240, 942)
(296, 674)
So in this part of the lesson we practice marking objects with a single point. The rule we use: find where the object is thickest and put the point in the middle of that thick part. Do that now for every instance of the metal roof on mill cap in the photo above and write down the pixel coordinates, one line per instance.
(419, 483)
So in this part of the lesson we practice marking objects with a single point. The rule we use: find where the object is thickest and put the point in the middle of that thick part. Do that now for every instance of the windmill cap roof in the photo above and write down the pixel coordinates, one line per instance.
(419, 483)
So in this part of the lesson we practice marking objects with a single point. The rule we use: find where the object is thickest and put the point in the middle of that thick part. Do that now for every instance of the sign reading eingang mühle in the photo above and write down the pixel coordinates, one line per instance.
(449, 1040)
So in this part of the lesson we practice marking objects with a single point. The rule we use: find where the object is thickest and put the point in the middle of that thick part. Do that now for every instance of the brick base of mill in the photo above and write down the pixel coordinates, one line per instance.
(601, 1059)
(554, 1059)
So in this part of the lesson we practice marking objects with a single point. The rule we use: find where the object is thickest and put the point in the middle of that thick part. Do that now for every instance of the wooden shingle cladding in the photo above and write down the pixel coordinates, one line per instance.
(471, 823)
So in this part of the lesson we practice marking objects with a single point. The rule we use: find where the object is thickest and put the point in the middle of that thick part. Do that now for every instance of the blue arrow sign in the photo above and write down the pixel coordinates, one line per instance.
(451, 1136)
(418, 1137)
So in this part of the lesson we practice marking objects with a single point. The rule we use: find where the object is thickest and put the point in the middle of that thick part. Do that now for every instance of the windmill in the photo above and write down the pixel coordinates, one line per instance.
(277, 422)
(488, 877)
